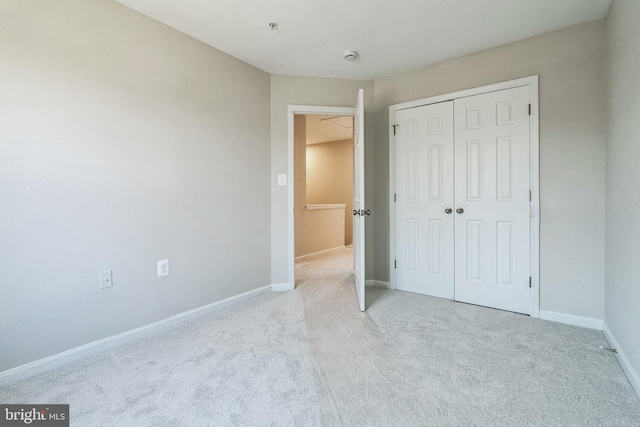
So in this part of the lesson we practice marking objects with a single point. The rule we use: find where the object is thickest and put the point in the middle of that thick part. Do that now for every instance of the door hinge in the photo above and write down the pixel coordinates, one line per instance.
(529, 109)
(529, 195)
(394, 197)
(394, 128)
(395, 263)
(529, 281)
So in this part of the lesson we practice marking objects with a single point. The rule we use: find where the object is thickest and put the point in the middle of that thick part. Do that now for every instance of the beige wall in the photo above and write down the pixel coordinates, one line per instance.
(122, 142)
(314, 230)
(570, 65)
(622, 291)
(318, 230)
(330, 178)
(285, 91)
(299, 179)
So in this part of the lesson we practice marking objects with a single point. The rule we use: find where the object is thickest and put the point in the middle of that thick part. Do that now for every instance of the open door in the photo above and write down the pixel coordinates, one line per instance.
(359, 211)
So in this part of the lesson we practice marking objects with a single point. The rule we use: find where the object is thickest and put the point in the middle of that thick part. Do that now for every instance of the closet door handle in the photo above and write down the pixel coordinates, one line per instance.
(460, 210)
(448, 210)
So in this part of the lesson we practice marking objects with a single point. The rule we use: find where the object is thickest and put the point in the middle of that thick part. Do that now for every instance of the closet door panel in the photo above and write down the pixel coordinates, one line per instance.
(424, 192)
(492, 199)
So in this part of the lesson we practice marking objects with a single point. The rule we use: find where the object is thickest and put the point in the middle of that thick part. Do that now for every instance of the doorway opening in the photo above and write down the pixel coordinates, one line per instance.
(323, 194)
(359, 211)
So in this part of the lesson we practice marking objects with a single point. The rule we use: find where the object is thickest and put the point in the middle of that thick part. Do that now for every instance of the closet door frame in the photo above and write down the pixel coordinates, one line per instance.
(534, 175)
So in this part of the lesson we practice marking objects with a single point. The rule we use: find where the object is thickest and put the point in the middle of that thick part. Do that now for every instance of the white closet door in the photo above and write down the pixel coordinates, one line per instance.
(492, 199)
(424, 195)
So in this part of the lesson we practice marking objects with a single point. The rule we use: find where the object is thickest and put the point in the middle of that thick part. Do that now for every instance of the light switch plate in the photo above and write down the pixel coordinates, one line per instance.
(282, 179)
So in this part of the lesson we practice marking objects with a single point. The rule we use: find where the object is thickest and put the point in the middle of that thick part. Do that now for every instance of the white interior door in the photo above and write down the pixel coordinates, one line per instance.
(492, 199)
(359, 208)
(424, 200)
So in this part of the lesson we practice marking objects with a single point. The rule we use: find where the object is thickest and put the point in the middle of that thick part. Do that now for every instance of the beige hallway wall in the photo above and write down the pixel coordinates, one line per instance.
(315, 230)
(330, 178)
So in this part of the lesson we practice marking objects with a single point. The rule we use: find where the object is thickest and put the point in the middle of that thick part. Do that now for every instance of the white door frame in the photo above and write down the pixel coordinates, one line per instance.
(534, 175)
(292, 111)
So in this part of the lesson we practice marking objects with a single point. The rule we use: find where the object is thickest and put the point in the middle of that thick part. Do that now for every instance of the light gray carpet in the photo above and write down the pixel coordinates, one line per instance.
(246, 365)
(309, 357)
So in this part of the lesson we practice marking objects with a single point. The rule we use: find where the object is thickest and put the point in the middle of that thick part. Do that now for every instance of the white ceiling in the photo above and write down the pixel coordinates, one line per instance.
(321, 128)
(391, 36)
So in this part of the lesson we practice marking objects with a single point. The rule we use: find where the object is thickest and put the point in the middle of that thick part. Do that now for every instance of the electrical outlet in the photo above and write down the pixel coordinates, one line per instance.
(106, 279)
(163, 268)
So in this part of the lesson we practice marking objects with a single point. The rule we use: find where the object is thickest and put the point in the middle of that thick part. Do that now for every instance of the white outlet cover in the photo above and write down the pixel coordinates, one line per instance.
(106, 279)
(163, 268)
(282, 179)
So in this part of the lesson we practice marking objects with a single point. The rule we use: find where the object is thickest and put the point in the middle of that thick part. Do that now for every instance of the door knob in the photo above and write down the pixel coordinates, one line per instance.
(363, 212)
(356, 212)
(448, 210)
(460, 210)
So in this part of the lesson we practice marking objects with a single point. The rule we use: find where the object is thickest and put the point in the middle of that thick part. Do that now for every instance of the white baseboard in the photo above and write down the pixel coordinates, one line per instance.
(77, 353)
(634, 379)
(570, 319)
(325, 251)
(281, 287)
(377, 284)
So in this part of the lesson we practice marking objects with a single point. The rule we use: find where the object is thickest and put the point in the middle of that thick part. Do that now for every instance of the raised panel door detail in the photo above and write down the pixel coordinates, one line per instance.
(411, 177)
(435, 124)
(413, 243)
(474, 250)
(411, 128)
(504, 168)
(436, 247)
(425, 188)
(504, 113)
(492, 241)
(474, 170)
(435, 173)
(504, 252)
(474, 118)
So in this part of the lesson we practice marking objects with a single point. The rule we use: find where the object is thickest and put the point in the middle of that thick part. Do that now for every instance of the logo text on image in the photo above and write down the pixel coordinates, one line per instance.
(36, 415)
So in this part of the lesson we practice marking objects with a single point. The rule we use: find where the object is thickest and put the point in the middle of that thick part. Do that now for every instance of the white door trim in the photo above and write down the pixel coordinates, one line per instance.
(534, 172)
(292, 111)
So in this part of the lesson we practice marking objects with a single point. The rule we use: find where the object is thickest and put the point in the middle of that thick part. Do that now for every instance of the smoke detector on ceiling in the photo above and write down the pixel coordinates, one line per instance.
(351, 55)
